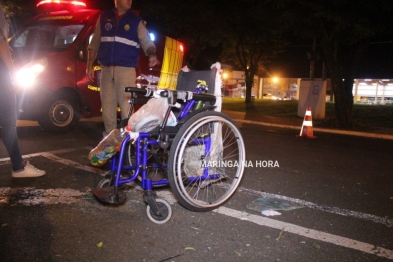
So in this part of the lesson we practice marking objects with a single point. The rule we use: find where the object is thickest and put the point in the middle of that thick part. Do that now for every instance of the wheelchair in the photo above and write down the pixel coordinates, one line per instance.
(201, 158)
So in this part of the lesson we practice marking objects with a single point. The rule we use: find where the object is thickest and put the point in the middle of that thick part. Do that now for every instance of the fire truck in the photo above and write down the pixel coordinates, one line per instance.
(51, 54)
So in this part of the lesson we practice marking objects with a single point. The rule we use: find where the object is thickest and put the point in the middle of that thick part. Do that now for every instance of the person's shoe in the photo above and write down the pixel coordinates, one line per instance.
(29, 171)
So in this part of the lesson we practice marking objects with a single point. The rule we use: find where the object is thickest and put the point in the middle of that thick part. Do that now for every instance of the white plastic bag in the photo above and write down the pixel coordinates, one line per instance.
(149, 116)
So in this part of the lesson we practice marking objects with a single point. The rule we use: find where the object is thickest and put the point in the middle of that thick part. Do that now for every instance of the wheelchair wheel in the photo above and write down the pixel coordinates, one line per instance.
(166, 212)
(206, 161)
(154, 171)
(105, 182)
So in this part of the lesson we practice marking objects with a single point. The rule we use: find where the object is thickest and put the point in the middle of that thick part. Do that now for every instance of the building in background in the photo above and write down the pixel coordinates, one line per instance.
(365, 91)
(373, 91)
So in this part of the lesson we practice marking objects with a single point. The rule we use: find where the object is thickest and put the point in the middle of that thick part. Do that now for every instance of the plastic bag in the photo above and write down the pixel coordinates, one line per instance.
(149, 116)
(172, 121)
(106, 148)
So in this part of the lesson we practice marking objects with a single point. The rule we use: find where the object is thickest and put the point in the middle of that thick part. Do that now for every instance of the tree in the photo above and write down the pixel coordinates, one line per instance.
(18, 12)
(193, 22)
(343, 29)
(246, 30)
(252, 36)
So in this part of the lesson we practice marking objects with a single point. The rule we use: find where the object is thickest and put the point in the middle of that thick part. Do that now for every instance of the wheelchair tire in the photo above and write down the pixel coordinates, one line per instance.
(105, 182)
(190, 160)
(165, 209)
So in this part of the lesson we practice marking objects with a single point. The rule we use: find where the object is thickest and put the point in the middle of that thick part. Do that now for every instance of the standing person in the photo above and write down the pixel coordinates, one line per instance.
(116, 43)
(20, 168)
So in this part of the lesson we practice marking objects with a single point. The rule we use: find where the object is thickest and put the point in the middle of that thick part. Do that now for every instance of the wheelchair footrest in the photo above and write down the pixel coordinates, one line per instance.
(107, 195)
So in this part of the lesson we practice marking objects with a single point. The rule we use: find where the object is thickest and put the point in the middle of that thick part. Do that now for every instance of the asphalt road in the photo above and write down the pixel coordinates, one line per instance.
(340, 190)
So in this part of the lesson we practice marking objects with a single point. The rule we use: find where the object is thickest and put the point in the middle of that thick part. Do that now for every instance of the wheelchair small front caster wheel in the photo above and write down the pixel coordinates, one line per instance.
(165, 212)
(106, 182)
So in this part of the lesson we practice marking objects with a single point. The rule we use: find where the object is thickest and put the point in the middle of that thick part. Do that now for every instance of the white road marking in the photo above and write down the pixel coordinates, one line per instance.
(306, 232)
(74, 164)
(51, 155)
(335, 210)
(298, 230)
(32, 196)
(61, 151)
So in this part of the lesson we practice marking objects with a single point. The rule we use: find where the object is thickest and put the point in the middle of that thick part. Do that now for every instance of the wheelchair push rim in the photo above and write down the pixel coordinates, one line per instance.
(219, 163)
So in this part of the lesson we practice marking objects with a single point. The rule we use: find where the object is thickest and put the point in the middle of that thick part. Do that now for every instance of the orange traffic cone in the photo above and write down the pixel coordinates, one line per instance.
(306, 130)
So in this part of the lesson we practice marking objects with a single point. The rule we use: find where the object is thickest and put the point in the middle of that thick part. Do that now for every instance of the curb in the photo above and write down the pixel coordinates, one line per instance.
(332, 131)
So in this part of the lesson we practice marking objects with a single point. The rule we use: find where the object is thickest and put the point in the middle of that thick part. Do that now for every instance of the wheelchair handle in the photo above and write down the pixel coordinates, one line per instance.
(178, 94)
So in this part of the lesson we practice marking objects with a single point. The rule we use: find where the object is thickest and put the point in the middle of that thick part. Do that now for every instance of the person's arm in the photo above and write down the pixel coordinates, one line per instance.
(92, 51)
(147, 45)
(5, 56)
(91, 57)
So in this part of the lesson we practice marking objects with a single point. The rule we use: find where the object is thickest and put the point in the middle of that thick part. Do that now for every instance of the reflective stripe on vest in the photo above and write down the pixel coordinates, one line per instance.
(120, 40)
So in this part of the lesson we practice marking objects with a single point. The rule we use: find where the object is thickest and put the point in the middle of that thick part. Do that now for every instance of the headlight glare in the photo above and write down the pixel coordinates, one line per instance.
(26, 76)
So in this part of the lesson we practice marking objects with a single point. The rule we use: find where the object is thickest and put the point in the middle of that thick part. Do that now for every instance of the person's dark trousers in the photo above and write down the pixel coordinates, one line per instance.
(8, 119)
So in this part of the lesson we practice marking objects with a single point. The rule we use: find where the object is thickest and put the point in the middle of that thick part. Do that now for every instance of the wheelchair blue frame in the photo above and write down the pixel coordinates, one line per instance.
(140, 167)
(159, 143)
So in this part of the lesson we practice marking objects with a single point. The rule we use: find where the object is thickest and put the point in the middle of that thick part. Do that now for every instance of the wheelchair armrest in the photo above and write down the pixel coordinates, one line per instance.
(205, 97)
(182, 95)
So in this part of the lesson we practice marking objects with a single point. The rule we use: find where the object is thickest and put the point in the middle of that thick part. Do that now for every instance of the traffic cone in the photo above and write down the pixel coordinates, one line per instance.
(306, 130)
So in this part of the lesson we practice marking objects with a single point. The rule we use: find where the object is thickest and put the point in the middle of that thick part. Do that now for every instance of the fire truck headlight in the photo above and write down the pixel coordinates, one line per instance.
(26, 76)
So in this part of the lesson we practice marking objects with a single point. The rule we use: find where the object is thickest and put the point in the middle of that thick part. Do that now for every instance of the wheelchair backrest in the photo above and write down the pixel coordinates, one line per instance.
(187, 81)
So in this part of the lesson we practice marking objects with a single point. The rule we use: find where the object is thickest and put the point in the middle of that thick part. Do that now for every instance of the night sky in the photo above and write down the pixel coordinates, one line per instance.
(377, 61)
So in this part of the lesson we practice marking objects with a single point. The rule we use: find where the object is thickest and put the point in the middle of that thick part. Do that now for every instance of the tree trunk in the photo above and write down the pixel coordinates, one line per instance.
(342, 90)
(343, 101)
(249, 83)
(249, 73)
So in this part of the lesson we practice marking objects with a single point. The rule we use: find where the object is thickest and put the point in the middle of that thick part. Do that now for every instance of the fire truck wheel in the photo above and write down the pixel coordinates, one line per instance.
(60, 114)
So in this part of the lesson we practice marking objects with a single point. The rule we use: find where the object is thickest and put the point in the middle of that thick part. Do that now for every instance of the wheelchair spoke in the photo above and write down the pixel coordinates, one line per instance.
(208, 152)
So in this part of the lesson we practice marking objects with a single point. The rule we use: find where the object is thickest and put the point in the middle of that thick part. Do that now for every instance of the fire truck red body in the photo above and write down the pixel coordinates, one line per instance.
(51, 52)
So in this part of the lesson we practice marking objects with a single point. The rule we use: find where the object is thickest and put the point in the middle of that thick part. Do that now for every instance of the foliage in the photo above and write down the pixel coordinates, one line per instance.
(11, 8)
(343, 30)
(193, 22)
(252, 36)
(18, 12)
